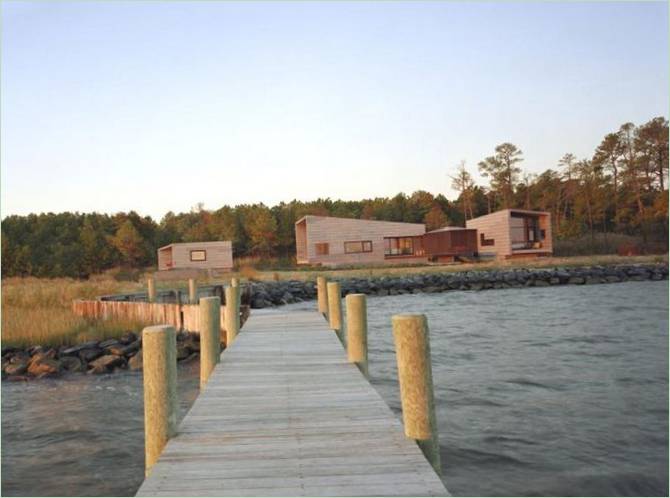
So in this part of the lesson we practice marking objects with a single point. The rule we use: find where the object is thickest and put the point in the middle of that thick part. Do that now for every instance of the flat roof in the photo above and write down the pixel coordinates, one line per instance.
(450, 229)
(199, 244)
(354, 219)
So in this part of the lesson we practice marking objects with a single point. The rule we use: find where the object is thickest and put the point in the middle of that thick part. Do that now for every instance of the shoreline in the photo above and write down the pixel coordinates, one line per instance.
(124, 353)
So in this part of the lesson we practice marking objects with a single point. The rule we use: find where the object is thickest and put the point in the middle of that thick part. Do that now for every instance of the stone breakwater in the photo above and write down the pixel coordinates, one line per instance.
(274, 293)
(92, 357)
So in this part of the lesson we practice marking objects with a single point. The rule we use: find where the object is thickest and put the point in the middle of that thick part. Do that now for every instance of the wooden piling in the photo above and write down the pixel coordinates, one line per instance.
(234, 282)
(161, 408)
(151, 290)
(322, 293)
(210, 336)
(335, 308)
(357, 331)
(412, 343)
(232, 314)
(192, 291)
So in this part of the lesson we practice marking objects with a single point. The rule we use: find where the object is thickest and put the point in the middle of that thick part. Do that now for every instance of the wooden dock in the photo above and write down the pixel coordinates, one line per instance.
(285, 414)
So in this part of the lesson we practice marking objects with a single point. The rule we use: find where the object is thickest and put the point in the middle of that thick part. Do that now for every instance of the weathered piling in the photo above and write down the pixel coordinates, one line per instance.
(192, 291)
(412, 343)
(151, 290)
(234, 282)
(210, 336)
(232, 314)
(357, 331)
(159, 357)
(335, 308)
(322, 293)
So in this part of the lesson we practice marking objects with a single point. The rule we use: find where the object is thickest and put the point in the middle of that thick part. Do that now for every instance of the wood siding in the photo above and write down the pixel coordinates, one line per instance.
(219, 255)
(336, 231)
(497, 226)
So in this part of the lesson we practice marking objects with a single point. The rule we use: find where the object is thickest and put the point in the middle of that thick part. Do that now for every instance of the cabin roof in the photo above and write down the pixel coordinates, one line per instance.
(307, 216)
(210, 243)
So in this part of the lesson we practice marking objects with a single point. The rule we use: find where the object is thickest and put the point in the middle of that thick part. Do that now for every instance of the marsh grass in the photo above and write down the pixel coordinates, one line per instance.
(39, 311)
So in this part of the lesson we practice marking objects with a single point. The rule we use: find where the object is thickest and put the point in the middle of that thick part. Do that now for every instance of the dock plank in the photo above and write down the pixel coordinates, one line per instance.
(285, 414)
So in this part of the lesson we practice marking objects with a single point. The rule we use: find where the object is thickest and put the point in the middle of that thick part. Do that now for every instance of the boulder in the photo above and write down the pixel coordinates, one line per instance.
(41, 365)
(108, 343)
(128, 337)
(71, 364)
(105, 363)
(576, 280)
(183, 352)
(541, 283)
(135, 362)
(74, 350)
(18, 367)
(89, 354)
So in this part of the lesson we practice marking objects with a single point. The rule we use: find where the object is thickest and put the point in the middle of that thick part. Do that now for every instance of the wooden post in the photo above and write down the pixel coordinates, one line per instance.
(335, 308)
(232, 314)
(357, 331)
(322, 294)
(234, 282)
(161, 408)
(192, 291)
(210, 336)
(412, 344)
(151, 290)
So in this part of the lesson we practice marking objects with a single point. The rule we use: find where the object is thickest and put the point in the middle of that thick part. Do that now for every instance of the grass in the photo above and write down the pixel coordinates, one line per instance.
(39, 311)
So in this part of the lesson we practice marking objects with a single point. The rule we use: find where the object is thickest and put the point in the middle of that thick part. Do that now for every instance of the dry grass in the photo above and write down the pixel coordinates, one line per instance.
(39, 311)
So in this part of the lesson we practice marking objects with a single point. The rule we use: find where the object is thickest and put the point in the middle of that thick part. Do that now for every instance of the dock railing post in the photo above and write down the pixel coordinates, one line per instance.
(357, 331)
(192, 292)
(412, 344)
(335, 308)
(159, 358)
(234, 282)
(232, 314)
(322, 295)
(210, 336)
(151, 290)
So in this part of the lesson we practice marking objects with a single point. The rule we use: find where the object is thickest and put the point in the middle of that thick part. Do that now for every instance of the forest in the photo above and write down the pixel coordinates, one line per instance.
(620, 190)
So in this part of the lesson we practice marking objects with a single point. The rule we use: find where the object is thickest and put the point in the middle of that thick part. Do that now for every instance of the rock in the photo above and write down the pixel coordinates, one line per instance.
(74, 350)
(42, 365)
(554, 281)
(105, 363)
(192, 357)
(135, 362)
(71, 364)
(576, 280)
(18, 367)
(117, 349)
(183, 352)
(128, 337)
(90, 354)
(108, 343)
(542, 283)
(18, 378)
(133, 347)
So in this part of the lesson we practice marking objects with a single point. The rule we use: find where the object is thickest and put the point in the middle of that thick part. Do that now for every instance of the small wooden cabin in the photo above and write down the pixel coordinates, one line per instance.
(447, 244)
(513, 233)
(215, 255)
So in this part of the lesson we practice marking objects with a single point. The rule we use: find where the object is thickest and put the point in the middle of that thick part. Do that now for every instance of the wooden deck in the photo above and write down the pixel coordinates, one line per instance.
(285, 414)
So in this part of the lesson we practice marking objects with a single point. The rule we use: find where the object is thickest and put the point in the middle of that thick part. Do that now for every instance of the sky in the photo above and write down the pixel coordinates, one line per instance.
(157, 106)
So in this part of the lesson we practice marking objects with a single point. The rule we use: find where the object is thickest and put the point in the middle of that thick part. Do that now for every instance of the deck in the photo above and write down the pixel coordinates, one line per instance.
(285, 414)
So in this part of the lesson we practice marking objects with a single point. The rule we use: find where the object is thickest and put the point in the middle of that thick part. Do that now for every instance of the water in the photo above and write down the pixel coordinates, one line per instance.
(542, 391)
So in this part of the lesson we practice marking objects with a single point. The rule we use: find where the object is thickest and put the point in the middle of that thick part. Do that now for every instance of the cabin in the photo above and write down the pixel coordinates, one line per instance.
(449, 244)
(330, 241)
(513, 233)
(209, 256)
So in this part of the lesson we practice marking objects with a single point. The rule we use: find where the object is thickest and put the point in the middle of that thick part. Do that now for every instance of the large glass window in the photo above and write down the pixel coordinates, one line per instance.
(356, 246)
(403, 246)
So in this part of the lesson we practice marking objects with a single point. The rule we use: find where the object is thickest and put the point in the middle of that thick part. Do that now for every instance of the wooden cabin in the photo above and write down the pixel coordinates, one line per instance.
(448, 244)
(215, 255)
(513, 233)
(331, 241)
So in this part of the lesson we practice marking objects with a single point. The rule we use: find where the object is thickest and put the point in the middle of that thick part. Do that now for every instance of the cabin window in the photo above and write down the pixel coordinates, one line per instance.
(199, 255)
(321, 248)
(357, 246)
(403, 246)
(486, 242)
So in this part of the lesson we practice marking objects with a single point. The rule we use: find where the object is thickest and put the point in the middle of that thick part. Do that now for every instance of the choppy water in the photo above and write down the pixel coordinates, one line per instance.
(540, 391)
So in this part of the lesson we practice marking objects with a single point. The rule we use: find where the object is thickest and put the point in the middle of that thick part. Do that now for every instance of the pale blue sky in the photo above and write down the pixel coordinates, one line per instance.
(156, 106)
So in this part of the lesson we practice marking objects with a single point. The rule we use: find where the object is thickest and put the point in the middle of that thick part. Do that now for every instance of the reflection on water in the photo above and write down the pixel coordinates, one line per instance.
(540, 391)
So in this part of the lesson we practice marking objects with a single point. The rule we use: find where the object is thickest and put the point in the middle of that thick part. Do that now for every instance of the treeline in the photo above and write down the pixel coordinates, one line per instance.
(620, 189)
